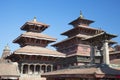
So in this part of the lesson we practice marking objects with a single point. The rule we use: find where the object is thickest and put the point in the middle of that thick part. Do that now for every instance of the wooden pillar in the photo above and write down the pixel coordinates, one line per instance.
(51, 67)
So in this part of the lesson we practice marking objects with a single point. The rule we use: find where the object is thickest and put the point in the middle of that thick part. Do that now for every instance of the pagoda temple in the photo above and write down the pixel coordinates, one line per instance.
(32, 56)
(87, 54)
(77, 50)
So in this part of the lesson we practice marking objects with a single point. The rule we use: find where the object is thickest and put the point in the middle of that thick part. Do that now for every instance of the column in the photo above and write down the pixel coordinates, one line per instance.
(106, 53)
(21, 68)
(40, 68)
(92, 54)
(101, 53)
(28, 68)
(34, 72)
(46, 68)
(43, 68)
(51, 67)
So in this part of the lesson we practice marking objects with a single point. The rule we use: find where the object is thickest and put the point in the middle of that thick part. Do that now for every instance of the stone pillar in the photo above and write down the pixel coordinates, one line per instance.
(21, 68)
(106, 53)
(34, 72)
(92, 54)
(51, 67)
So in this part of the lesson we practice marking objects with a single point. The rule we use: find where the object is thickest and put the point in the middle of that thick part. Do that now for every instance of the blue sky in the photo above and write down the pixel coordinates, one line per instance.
(56, 13)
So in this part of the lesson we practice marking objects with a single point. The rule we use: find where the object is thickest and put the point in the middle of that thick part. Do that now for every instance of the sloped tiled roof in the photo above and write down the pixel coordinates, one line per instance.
(35, 22)
(115, 52)
(100, 35)
(108, 70)
(82, 27)
(78, 72)
(78, 54)
(35, 50)
(35, 35)
(82, 36)
(72, 71)
(39, 24)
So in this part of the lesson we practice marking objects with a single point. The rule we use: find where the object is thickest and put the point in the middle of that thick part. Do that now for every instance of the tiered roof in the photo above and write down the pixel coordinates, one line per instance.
(98, 38)
(81, 21)
(33, 42)
(80, 29)
(35, 50)
(34, 35)
(34, 30)
(80, 36)
(36, 26)
(102, 35)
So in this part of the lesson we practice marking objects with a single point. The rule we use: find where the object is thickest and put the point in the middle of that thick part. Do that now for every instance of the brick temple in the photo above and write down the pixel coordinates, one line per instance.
(87, 53)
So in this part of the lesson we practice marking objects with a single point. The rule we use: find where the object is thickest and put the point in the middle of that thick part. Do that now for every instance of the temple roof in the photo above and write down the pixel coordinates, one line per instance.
(34, 23)
(79, 54)
(81, 36)
(9, 70)
(36, 36)
(80, 20)
(115, 52)
(81, 71)
(100, 36)
(76, 71)
(108, 70)
(35, 50)
(112, 42)
(82, 28)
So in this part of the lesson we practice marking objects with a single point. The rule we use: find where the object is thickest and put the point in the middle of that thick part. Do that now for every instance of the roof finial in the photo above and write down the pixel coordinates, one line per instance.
(81, 16)
(34, 19)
